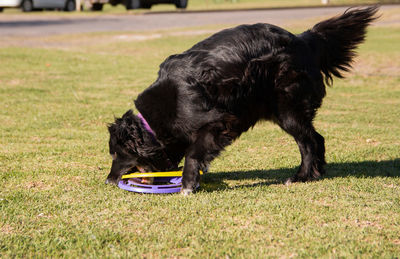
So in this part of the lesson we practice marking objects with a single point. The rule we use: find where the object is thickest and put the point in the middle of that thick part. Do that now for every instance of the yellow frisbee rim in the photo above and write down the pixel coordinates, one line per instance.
(154, 174)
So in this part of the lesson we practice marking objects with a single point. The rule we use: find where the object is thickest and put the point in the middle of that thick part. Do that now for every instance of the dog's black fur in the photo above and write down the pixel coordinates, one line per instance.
(209, 95)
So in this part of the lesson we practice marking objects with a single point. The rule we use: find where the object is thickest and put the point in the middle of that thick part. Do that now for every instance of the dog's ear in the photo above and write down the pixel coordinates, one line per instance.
(128, 115)
(113, 129)
(129, 133)
(116, 130)
(123, 130)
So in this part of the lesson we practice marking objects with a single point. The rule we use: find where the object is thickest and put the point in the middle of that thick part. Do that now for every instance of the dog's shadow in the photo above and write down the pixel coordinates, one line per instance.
(217, 181)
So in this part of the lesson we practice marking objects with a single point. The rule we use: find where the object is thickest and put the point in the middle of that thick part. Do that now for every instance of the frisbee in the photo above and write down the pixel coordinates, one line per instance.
(160, 185)
(164, 182)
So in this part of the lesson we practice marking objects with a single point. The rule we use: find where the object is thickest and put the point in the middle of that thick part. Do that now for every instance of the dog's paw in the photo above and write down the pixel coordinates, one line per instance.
(189, 191)
(290, 180)
(112, 181)
(186, 191)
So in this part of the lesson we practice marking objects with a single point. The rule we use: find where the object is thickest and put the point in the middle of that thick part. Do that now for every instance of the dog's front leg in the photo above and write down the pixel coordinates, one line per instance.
(209, 143)
(191, 175)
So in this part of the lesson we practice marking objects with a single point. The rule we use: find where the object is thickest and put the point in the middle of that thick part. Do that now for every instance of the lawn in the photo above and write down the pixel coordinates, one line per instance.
(57, 95)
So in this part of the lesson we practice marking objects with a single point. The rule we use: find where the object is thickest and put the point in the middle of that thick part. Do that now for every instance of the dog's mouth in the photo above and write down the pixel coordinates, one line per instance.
(137, 169)
(141, 169)
(142, 180)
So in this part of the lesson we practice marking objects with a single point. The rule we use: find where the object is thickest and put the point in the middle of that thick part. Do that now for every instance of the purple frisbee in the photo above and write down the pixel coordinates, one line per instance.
(166, 185)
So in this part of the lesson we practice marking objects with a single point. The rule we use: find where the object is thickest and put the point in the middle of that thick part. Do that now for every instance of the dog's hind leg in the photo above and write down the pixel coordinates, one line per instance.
(311, 145)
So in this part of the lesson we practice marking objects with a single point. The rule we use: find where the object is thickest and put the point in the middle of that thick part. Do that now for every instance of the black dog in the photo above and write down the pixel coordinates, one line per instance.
(209, 95)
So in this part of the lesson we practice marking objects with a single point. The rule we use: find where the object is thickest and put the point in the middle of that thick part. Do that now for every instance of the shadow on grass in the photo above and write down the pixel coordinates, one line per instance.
(216, 181)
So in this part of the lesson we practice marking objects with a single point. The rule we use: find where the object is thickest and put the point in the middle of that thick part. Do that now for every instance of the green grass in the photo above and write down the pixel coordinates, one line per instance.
(55, 103)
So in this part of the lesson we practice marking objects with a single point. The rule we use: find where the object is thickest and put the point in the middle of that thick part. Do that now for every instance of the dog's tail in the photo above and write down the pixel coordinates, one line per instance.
(336, 39)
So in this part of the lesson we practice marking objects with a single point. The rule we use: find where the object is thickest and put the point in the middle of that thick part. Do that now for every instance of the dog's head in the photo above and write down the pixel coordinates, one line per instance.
(132, 148)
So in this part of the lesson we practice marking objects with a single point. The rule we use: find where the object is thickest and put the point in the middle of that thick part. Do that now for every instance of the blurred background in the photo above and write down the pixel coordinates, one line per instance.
(115, 6)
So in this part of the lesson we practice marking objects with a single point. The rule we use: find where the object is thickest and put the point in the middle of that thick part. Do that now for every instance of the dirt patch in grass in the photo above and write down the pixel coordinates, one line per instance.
(366, 224)
(374, 65)
(39, 185)
(392, 186)
(390, 18)
(86, 40)
(7, 229)
(144, 37)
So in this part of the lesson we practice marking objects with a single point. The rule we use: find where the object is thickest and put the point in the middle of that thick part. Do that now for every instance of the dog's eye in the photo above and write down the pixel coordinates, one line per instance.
(114, 156)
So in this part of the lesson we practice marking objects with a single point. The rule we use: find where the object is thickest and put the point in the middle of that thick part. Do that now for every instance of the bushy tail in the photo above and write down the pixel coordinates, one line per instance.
(336, 39)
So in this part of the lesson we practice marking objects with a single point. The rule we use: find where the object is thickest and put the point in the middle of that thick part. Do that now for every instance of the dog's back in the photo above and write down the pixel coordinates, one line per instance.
(218, 73)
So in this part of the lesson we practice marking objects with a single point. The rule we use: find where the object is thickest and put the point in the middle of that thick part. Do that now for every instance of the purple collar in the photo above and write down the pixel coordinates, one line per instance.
(149, 130)
(146, 125)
